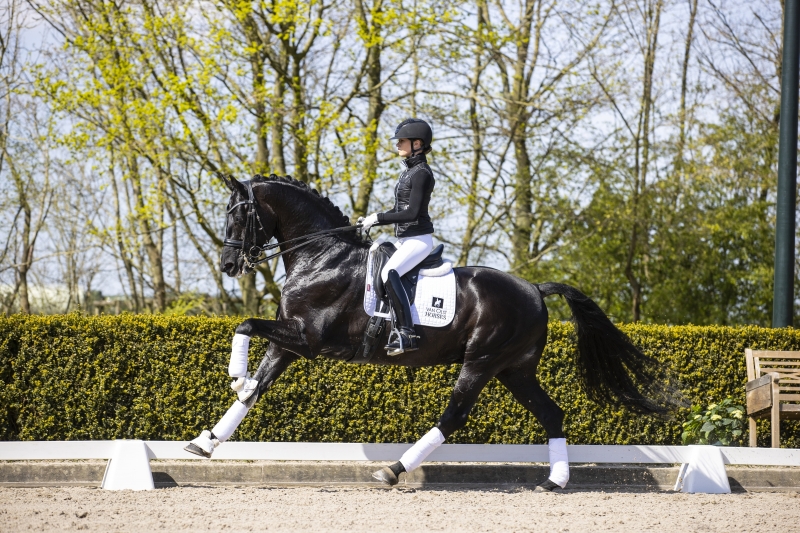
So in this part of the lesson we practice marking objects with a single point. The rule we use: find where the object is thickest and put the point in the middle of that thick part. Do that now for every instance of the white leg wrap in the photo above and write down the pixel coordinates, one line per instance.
(239, 347)
(559, 462)
(230, 421)
(422, 449)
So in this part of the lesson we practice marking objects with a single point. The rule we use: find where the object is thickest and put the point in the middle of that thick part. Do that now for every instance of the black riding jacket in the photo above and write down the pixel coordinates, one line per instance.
(412, 194)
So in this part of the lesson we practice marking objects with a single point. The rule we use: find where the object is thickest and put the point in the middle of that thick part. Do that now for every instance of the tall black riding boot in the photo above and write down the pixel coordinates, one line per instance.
(403, 338)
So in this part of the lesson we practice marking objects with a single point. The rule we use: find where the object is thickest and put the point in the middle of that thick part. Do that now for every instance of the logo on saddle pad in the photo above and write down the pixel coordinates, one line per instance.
(436, 311)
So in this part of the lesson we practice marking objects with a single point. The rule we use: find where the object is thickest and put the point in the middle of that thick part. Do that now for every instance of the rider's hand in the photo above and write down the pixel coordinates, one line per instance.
(370, 221)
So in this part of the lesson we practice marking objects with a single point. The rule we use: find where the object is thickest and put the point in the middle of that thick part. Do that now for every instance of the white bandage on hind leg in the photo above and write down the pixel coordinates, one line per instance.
(422, 449)
(559, 462)
(239, 347)
(230, 421)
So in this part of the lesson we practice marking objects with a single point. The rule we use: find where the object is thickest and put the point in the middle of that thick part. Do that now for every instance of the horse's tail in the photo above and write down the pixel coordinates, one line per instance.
(612, 369)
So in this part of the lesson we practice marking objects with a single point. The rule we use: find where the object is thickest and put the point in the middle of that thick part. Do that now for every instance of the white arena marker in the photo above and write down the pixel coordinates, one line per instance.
(704, 472)
(129, 467)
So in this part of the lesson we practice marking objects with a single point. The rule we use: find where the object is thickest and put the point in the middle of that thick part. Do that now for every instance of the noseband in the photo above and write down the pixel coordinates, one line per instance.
(250, 251)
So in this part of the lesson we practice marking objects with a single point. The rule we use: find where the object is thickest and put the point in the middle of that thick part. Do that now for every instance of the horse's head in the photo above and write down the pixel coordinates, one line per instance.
(249, 225)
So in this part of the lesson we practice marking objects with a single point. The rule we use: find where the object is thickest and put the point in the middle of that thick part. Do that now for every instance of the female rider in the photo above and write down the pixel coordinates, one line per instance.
(413, 225)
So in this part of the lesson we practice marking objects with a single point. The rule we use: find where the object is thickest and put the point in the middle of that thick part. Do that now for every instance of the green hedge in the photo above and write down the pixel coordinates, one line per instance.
(71, 377)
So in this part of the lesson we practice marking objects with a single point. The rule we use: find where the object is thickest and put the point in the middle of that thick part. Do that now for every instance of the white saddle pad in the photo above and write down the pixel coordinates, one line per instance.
(435, 300)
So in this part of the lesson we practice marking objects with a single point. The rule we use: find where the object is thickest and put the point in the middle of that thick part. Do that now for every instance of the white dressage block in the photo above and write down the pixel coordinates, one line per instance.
(703, 467)
(129, 467)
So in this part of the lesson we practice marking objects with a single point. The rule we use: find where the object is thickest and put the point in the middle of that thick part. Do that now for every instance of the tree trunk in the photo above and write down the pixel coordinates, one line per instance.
(176, 256)
(299, 133)
(477, 140)
(203, 252)
(23, 264)
(523, 200)
(517, 116)
(27, 257)
(260, 110)
(270, 287)
(120, 240)
(684, 75)
(278, 159)
(251, 299)
(150, 245)
(374, 113)
(642, 160)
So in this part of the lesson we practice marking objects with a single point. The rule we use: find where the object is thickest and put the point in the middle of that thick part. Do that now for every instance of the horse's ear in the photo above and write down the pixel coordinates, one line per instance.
(231, 183)
(224, 179)
(237, 186)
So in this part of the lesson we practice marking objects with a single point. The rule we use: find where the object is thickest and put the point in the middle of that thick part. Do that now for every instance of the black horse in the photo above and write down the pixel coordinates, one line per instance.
(499, 329)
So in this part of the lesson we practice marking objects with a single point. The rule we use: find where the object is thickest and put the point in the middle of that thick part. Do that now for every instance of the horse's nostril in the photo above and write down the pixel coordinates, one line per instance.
(228, 267)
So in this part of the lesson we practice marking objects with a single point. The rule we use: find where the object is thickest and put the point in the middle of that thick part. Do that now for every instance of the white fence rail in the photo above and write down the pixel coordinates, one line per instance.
(703, 466)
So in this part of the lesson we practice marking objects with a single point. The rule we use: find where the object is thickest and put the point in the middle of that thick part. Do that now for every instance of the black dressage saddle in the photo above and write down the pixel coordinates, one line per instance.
(382, 255)
(376, 324)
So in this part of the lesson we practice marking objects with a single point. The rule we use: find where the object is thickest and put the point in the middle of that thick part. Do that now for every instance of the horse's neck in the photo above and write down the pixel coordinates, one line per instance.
(298, 216)
(298, 212)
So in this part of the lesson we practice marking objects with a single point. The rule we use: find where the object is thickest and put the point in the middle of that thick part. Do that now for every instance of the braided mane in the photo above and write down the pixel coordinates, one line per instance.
(323, 201)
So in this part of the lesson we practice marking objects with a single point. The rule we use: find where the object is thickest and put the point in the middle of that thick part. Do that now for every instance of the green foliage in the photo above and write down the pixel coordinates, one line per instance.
(699, 237)
(72, 377)
(721, 424)
(187, 304)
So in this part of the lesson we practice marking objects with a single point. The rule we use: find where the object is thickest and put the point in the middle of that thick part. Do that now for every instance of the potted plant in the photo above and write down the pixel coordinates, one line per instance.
(721, 424)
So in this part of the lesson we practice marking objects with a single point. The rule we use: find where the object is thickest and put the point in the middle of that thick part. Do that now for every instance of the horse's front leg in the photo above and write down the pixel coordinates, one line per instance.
(272, 366)
(471, 381)
(287, 334)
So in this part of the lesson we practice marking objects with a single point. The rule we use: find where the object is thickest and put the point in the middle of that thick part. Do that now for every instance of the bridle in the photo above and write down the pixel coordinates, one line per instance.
(249, 250)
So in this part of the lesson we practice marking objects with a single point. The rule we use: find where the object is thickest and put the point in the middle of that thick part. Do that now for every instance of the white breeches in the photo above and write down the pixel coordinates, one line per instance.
(411, 252)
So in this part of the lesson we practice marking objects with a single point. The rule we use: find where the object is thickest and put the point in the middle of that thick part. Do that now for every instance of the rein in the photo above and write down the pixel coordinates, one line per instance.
(251, 252)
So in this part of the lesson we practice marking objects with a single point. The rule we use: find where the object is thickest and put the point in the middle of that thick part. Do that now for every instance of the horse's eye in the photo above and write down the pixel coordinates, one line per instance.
(238, 220)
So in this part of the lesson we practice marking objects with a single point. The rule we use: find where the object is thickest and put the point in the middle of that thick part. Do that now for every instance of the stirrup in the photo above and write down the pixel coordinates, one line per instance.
(400, 347)
(245, 386)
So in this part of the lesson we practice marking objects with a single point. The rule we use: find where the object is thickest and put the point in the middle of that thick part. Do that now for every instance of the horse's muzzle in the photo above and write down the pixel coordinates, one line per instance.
(232, 263)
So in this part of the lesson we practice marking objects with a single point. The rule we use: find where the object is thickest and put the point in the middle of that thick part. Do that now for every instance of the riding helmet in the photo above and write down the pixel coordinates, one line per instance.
(414, 128)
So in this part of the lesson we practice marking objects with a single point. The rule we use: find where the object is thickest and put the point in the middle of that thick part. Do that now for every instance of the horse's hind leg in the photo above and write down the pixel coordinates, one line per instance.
(525, 388)
(471, 381)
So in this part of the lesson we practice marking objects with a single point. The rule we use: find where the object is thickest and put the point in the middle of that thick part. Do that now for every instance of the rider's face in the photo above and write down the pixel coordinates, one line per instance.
(404, 147)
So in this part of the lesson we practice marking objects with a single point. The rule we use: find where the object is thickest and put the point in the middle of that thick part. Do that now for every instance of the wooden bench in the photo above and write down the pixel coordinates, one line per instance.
(773, 389)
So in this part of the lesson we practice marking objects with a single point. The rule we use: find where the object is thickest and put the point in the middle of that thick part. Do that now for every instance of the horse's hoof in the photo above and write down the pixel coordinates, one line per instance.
(386, 476)
(547, 486)
(197, 450)
(203, 445)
